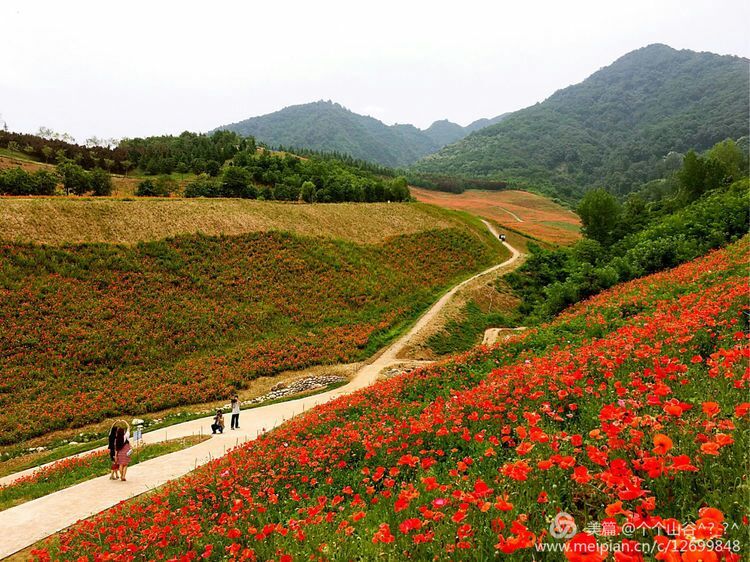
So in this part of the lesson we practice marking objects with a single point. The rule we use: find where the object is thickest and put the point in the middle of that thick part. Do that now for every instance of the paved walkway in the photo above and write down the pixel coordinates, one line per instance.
(24, 525)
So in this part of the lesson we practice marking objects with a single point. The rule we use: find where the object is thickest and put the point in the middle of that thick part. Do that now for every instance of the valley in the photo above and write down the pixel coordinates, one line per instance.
(319, 333)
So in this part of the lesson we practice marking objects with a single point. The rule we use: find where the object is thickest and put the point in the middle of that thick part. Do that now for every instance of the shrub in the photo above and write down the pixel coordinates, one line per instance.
(100, 182)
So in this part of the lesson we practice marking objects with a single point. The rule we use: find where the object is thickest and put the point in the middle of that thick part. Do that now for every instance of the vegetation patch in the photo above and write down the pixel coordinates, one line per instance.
(94, 331)
(637, 419)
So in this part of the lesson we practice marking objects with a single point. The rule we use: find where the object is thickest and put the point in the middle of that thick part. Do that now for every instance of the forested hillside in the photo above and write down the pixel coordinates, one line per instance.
(328, 127)
(222, 164)
(614, 129)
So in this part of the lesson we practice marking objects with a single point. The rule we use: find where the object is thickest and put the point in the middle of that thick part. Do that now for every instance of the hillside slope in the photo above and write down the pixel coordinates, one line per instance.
(628, 411)
(77, 220)
(614, 128)
(325, 126)
(189, 319)
(520, 211)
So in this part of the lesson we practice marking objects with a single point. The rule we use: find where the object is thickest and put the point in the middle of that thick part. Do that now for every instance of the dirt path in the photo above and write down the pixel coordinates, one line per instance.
(493, 335)
(511, 213)
(30, 522)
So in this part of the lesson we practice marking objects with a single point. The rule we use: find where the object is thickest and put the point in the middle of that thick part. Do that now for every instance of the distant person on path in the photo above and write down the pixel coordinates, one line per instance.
(218, 424)
(235, 412)
(124, 450)
(115, 470)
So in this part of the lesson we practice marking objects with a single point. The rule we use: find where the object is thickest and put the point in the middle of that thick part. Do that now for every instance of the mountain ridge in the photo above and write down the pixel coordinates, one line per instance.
(611, 129)
(327, 126)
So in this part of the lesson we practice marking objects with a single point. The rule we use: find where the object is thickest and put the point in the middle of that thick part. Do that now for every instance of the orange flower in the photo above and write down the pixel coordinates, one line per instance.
(710, 448)
(711, 409)
(614, 509)
(662, 444)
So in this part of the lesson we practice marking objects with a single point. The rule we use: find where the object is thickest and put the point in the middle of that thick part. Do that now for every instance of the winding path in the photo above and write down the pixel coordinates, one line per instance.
(26, 524)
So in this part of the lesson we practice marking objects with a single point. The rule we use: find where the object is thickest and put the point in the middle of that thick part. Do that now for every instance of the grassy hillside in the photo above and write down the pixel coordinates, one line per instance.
(97, 330)
(614, 128)
(525, 212)
(627, 412)
(74, 220)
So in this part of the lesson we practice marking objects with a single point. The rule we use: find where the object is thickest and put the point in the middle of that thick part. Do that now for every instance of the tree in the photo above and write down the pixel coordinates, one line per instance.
(600, 214)
(212, 168)
(307, 192)
(47, 152)
(163, 186)
(731, 157)
(45, 182)
(100, 182)
(399, 189)
(692, 177)
(235, 182)
(74, 178)
(203, 186)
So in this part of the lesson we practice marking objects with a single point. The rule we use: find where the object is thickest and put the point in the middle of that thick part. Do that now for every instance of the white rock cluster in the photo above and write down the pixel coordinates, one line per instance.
(302, 385)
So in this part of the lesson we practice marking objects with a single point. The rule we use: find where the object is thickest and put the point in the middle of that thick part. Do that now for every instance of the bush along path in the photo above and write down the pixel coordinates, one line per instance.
(26, 524)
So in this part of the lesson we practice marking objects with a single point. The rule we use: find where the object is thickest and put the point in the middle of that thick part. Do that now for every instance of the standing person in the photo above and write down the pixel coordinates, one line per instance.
(124, 450)
(218, 424)
(115, 469)
(235, 412)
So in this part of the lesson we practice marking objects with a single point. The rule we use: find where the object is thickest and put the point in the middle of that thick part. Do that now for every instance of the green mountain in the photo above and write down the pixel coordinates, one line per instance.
(613, 129)
(445, 132)
(329, 127)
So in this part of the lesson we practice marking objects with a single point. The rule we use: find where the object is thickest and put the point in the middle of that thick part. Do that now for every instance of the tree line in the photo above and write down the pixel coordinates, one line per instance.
(702, 205)
(73, 177)
(286, 177)
(224, 164)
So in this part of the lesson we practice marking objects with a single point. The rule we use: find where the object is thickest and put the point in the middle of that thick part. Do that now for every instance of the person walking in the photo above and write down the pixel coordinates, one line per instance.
(124, 450)
(235, 412)
(218, 424)
(115, 468)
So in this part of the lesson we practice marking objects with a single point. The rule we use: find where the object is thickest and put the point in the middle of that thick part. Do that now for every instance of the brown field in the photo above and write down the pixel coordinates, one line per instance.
(61, 220)
(526, 212)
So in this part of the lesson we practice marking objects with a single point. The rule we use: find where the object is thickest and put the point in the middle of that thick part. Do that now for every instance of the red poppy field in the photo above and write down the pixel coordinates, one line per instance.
(98, 330)
(627, 416)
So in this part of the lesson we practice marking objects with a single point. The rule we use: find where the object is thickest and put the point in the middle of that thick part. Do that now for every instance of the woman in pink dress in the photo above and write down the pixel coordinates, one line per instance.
(122, 446)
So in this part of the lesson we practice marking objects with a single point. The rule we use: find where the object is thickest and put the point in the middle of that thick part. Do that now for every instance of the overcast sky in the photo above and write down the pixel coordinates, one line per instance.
(137, 68)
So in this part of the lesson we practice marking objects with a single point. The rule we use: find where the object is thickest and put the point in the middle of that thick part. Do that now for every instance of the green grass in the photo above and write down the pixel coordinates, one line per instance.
(467, 331)
(93, 466)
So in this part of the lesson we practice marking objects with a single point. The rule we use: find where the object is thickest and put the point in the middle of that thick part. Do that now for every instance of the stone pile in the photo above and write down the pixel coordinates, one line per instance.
(301, 385)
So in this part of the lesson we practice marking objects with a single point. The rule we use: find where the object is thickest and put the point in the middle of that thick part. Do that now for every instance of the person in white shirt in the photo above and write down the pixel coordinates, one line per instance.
(235, 412)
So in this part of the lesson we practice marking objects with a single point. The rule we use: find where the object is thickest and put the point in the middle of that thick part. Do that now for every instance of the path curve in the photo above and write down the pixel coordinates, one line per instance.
(491, 335)
(28, 523)
(511, 213)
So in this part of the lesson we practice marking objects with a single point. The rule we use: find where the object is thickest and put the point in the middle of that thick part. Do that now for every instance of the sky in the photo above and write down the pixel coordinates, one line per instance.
(139, 68)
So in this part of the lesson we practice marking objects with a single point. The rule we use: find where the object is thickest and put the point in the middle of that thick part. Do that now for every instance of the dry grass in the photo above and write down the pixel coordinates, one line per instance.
(59, 220)
(539, 217)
